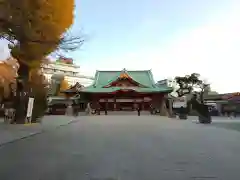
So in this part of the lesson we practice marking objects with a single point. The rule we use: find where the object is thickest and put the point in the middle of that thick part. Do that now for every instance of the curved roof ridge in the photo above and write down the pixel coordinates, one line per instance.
(151, 77)
(123, 70)
(144, 77)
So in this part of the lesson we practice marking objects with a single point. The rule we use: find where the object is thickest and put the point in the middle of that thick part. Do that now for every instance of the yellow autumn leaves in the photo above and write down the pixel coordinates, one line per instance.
(8, 74)
(36, 25)
(63, 86)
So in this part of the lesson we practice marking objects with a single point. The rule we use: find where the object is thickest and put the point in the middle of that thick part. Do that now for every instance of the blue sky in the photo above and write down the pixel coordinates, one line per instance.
(122, 27)
(171, 37)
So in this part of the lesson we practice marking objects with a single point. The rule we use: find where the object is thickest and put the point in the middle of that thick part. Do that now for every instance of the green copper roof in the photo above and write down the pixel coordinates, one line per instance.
(103, 78)
(92, 89)
(145, 78)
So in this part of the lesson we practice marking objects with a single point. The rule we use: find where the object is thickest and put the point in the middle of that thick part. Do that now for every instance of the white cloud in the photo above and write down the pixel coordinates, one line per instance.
(212, 50)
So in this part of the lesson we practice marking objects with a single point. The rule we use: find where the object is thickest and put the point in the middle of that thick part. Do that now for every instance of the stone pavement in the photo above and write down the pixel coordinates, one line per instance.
(126, 113)
(218, 119)
(10, 133)
(125, 148)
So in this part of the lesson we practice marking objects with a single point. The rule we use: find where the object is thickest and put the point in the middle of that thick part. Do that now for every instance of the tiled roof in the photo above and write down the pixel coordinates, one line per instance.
(92, 89)
(103, 78)
(144, 78)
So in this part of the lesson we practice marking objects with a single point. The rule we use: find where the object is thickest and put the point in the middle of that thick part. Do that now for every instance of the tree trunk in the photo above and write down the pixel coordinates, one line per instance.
(23, 72)
(201, 97)
(163, 108)
(21, 99)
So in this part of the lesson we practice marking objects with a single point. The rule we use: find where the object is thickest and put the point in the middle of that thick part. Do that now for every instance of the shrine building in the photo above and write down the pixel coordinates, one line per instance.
(123, 90)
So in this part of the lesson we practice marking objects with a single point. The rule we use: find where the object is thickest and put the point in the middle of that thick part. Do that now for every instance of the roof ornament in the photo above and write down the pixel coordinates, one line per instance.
(124, 74)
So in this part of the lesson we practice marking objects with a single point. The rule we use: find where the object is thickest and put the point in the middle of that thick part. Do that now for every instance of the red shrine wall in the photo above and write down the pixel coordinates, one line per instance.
(127, 100)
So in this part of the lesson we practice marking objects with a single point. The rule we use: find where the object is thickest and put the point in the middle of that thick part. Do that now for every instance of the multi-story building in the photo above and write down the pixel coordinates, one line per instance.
(70, 71)
(170, 83)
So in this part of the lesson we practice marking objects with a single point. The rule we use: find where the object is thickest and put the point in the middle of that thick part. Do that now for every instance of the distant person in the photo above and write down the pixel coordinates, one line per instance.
(228, 114)
(232, 115)
(139, 110)
(105, 109)
(98, 109)
(88, 109)
(69, 110)
(75, 109)
(9, 106)
(182, 113)
(181, 110)
(151, 109)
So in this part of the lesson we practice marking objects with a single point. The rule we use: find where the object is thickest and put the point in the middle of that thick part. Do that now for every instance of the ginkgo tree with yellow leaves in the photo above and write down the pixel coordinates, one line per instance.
(63, 86)
(8, 74)
(58, 84)
(35, 29)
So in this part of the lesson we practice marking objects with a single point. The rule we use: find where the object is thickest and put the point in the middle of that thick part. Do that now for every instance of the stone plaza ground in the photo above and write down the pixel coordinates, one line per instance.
(126, 147)
(12, 132)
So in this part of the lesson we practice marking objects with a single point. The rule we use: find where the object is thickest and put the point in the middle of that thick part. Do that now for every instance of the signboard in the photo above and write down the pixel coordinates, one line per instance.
(124, 100)
(30, 107)
(106, 100)
(147, 99)
(180, 102)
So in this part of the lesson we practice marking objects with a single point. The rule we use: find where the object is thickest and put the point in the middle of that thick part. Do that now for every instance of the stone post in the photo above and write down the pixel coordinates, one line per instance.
(163, 108)
(170, 101)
